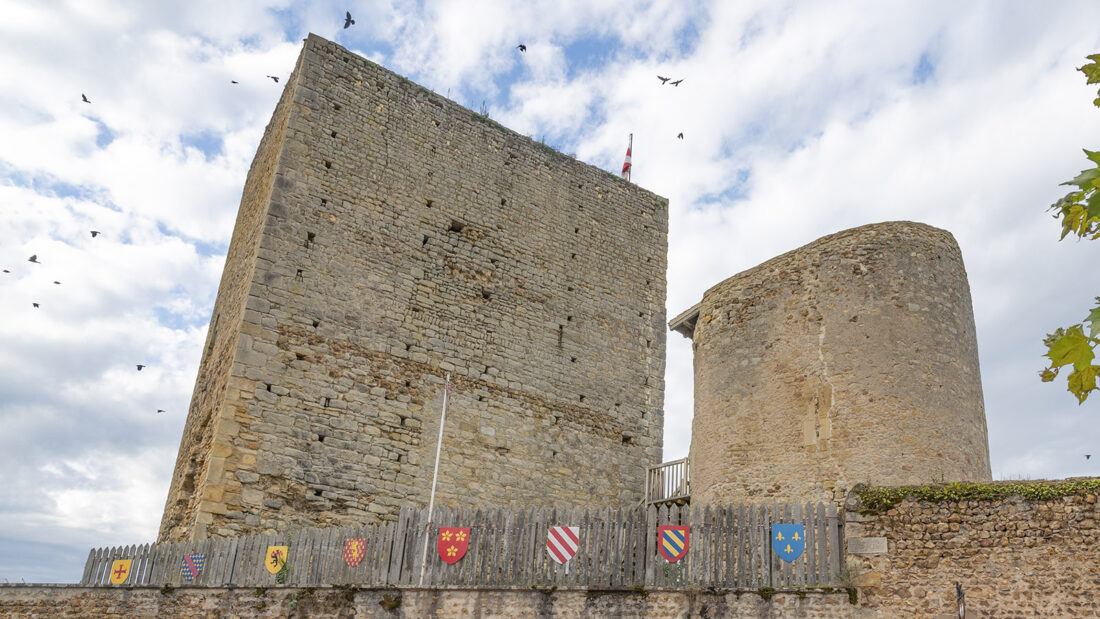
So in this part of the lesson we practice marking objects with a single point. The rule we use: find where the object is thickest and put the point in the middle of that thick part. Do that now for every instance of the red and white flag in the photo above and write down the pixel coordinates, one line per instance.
(626, 163)
(562, 543)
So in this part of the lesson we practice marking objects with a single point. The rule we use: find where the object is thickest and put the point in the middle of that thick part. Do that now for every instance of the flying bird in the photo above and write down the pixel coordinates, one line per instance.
(57, 282)
(160, 410)
(680, 135)
(233, 81)
(84, 98)
(664, 80)
(34, 304)
(274, 78)
(521, 47)
(677, 82)
(95, 233)
(348, 21)
(7, 271)
(140, 367)
(34, 259)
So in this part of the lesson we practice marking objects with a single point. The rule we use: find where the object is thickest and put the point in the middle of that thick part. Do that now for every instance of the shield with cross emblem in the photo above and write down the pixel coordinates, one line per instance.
(120, 571)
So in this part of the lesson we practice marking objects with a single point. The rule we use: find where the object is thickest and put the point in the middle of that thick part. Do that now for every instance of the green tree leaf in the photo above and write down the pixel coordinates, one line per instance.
(1080, 215)
(1082, 381)
(1093, 320)
(1092, 69)
(1071, 348)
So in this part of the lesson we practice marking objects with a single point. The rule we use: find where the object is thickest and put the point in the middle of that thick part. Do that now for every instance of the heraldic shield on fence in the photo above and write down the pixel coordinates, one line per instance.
(120, 571)
(452, 543)
(192, 565)
(354, 550)
(788, 540)
(673, 541)
(275, 558)
(562, 543)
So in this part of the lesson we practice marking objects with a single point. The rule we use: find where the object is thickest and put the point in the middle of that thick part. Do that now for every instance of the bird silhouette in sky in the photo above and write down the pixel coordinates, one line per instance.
(276, 79)
(34, 304)
(664, 80)
(348, 21)
(140, 367)
(160, 410)
(84, 98)
(95, 233)
(677, 82)
(233, 81)
(680, 135)
(7, 271)
(521, 47)
(34, 259)
(57, 282)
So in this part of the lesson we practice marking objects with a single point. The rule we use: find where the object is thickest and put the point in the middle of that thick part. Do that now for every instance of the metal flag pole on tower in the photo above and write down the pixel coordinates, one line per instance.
(435, 476)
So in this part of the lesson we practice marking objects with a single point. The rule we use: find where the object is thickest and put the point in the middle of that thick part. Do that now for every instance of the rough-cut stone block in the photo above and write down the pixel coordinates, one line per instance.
(866, 545)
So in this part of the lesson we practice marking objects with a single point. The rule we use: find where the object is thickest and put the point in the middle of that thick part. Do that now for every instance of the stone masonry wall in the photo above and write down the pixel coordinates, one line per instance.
(197, 455)
(406, 237)
(71, 601)
(852, 359)
(1014, 557)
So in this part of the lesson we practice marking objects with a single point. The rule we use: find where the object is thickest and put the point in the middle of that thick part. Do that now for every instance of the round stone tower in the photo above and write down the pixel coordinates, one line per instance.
(852, 359)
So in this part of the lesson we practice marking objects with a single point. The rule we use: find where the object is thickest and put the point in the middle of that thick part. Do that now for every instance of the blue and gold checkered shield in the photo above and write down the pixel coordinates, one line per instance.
(788, 540)
(672, 542)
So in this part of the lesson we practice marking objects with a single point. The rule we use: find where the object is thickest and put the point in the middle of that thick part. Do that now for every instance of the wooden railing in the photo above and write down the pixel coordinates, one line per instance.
(669, 483)
(729, 547)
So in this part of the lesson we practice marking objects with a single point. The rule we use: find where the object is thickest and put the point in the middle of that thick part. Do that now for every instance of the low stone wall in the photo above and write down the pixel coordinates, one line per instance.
(1018, 549)
(76, 601)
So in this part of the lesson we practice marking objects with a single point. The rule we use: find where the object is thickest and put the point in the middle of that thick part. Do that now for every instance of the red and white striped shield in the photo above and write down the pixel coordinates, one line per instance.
(562, 542)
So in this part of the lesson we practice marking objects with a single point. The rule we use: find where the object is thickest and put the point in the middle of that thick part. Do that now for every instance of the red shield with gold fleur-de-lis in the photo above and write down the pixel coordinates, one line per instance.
(452, 543)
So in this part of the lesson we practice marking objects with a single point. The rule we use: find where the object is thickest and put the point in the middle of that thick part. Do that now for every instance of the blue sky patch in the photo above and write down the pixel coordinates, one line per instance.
(589, 53)
(738, 190)
(104, 136)
(208, 142)
(924, 70)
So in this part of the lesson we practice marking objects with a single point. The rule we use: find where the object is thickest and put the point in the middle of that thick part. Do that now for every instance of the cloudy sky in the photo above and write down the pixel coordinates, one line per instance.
(799, 120)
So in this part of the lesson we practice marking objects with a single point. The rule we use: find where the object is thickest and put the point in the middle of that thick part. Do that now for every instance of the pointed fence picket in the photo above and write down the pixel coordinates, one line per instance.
(729, 548)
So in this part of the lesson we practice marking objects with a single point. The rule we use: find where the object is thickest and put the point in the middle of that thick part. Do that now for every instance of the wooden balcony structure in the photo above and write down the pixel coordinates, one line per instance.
(669, 483)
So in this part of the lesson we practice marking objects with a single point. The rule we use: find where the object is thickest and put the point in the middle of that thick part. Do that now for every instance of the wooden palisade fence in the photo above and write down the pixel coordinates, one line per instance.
(729, 547)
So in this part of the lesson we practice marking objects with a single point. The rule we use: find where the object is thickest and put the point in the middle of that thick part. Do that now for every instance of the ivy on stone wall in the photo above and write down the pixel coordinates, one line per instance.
(876, 500)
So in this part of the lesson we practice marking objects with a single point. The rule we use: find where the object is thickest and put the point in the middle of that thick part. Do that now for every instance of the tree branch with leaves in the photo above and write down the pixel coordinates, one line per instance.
(1079, 210)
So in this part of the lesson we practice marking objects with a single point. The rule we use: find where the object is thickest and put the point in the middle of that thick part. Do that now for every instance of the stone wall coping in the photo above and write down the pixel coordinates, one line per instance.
(770, 590)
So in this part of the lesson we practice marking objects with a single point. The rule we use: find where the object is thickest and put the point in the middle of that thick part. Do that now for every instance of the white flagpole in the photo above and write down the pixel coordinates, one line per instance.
(630, 147)
(435, 476)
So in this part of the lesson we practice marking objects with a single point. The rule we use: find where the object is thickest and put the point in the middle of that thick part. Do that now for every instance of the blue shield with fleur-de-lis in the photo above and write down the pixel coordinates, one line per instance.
(788, 540)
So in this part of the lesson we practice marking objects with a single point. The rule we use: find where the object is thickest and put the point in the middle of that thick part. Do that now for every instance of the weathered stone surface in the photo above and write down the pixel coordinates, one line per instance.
(1013, 557)
(866, 545)
(852, 359)
(72, 601)
(386, 237)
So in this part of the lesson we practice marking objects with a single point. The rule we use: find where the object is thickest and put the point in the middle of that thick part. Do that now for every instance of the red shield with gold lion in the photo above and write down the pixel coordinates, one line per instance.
(354, 550)
(452, 543)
